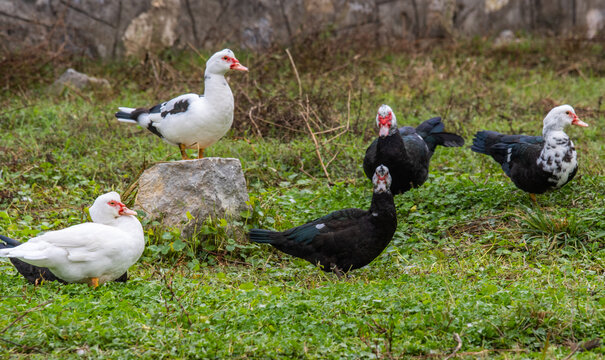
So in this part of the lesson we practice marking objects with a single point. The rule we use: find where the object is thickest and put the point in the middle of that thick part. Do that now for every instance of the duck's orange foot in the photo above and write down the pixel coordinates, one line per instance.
(183, 152)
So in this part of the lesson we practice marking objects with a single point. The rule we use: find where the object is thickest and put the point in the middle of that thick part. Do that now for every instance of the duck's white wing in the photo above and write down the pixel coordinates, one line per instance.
(82, 242)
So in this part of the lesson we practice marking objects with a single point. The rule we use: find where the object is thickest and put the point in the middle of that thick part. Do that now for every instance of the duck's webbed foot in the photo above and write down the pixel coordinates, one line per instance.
(183, 152)
(336, 270)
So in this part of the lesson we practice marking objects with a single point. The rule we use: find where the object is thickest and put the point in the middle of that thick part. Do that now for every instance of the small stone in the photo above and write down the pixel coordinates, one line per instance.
(505, 38)
(78, 80)
(209, 187)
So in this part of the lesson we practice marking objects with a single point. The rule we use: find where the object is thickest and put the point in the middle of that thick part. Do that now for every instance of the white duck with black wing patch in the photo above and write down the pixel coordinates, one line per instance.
(193, 121)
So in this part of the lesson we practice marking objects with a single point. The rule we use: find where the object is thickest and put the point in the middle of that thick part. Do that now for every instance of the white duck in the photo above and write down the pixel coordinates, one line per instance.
(93, 252)
(193, 121)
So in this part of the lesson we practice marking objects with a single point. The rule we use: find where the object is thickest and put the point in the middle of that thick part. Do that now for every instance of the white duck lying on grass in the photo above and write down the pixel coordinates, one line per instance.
(93, 252)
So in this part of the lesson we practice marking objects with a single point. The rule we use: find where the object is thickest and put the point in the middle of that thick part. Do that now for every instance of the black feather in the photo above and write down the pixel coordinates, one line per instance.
(433, 125)
(123, 115)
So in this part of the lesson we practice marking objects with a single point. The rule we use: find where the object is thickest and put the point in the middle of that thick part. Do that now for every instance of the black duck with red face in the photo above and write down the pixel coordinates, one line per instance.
(345, 239)
(406, 151)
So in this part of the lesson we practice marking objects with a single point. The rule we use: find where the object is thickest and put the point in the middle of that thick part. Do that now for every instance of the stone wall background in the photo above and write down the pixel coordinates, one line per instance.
(114, 28)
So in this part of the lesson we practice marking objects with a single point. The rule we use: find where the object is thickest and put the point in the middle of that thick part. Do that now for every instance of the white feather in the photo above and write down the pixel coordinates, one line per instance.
(127, 120)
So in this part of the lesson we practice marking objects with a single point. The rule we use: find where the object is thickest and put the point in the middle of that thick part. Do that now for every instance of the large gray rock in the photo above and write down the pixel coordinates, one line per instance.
(204, 187)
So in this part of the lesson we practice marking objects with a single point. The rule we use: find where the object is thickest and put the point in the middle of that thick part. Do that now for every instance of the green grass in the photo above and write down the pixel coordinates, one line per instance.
(471, 255)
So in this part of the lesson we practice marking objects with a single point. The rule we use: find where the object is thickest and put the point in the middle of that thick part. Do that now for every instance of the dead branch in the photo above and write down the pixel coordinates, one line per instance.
(23, 315)
(193, 25)
(24, 19)
(458, 346)
(348, 125)
(204, 59)
(329, 130)
(333, 157)
(302, 168)
(305, 115)
(133, 186)
(23, 346)
(315, 119)
(585, 346)
(295, 73)
(260, 134)
(280, 125)
(175, 298)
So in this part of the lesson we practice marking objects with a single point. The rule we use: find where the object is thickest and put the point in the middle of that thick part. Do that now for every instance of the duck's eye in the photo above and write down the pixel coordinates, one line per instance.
(225, 57)
(567, 112)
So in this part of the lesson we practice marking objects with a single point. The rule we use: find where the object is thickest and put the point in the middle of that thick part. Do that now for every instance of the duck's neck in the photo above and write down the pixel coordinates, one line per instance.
(384, 216)
(383, 205)
(392, 141)
(558, 156)
(217, 90)
(556, 141)
(130, 225)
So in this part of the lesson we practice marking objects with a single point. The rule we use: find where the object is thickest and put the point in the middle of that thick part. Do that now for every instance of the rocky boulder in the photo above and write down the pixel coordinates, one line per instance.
(209, 187)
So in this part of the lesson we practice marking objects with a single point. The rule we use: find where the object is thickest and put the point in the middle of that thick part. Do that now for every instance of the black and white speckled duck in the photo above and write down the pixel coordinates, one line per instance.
(535, 163)
(193, 121)
(345, 239)
(406, 151)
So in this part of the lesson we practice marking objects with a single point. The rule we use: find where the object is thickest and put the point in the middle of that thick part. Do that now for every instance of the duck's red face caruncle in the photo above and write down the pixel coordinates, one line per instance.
(575, 120)
(384, 124)
(122, 209)
(381, 179)
(234, 63)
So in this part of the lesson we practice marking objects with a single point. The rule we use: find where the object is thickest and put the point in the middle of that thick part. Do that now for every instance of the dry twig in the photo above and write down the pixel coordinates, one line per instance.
(295, 73)
(23, 315)
(459, 340)
(305, 115)
(585, 346)
(175, 298)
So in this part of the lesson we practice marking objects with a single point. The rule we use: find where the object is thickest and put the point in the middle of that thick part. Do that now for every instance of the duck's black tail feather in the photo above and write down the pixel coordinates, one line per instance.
(261, 236)
(432, 132)
(496, 145)
(487, 142)
(433, 125)
(6, 242)
(130, 115)
(443, 139)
